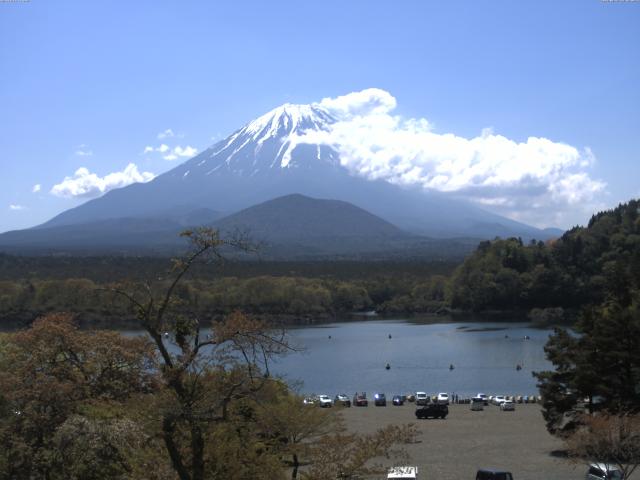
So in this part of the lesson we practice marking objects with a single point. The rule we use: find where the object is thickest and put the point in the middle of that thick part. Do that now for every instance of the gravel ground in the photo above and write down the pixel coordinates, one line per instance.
(455, 448)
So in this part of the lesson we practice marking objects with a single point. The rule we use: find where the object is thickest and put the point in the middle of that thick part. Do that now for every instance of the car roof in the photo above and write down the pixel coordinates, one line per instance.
(604, 467)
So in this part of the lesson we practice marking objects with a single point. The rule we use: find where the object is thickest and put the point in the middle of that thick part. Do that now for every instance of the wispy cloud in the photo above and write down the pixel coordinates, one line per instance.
(84, 184)
(83, 151)
(168, 133)
(15, 207)
(526, 180)
(36, 188)
(174, 153)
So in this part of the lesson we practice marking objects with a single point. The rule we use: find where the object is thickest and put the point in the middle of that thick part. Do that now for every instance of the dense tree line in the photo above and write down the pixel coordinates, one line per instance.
(576, 270)
(296, 297)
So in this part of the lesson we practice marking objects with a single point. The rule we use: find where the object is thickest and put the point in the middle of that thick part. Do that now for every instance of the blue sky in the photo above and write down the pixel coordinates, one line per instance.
(91, 84)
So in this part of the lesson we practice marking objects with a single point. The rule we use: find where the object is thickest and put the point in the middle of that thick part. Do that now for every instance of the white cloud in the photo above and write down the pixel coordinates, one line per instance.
(168, 133)
(162, 148)
(187, 151)
(148, 149)
(36, 188)
(16, 207)
(83, 151)
(371, 101)
(179, 151)
(85, 184)
(526, 180)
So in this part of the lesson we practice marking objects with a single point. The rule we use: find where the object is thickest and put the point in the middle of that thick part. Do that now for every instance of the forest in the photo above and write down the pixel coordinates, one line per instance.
(550, 282)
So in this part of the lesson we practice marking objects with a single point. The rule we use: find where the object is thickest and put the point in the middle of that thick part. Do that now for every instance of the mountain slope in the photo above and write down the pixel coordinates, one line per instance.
(263, 160)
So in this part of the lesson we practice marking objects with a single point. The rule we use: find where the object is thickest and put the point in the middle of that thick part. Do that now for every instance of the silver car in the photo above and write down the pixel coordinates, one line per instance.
(602, 471)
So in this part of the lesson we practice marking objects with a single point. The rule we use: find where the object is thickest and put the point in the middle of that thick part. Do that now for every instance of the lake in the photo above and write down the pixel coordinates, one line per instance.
(346, 357)
(484, 356)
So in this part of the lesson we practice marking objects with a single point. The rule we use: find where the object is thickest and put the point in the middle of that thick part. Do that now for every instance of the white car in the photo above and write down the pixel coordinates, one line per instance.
(325, 401)
(422, 398)
(484, 398)
(443, 398)
(602, 471)
(309, 400)
(507, 406)
(499, 399)
(402, 473)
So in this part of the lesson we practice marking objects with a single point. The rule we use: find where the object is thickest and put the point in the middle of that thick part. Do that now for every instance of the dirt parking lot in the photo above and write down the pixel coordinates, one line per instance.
(455, 448)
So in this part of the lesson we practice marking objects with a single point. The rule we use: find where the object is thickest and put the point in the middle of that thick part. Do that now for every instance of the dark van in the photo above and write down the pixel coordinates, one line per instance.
(489, 474)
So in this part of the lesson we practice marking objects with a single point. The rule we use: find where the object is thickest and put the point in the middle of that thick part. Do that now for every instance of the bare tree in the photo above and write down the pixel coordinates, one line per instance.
(613, 440)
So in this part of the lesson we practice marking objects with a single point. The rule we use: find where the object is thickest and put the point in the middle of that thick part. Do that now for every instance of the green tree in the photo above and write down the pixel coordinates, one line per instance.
(207, 376)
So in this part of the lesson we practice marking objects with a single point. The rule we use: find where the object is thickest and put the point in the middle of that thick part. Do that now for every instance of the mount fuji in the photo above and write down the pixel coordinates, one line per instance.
(259, 162)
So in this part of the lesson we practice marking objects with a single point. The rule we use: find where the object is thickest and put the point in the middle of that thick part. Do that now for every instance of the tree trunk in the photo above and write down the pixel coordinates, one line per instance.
(168, 431)
(296, 464)
(197, 452)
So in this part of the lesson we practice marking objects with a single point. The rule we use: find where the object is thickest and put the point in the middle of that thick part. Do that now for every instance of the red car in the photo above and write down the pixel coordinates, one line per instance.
(360, 399)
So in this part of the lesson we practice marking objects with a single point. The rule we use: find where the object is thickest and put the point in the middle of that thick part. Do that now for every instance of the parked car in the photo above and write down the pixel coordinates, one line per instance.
(309, 400)
(342, 399)
(484, 398)
(602, 471)
(477, 404)
(507, 406)
(443, 398)
(379, 400)
(422, 398)
(498, 399)
(325, 401)
(360, 399)
(432, 410)
(489, 474)
(402, 473)
(398, 400)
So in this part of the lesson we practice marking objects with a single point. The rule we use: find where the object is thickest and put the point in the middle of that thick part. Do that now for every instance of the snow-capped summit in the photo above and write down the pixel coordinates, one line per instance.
(266, 143)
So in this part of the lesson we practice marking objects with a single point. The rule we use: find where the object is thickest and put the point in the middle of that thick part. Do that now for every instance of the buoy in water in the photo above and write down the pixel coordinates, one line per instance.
(329, 337)
(388, 367)
(451, 367)
(518, 367)
(389, 335)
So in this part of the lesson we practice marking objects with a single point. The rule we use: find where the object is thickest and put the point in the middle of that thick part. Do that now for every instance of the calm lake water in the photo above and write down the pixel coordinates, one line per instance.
(484, 355)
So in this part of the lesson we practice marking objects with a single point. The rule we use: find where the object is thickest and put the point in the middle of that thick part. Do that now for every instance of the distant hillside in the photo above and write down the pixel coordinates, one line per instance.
(289, 227)
(294, 218)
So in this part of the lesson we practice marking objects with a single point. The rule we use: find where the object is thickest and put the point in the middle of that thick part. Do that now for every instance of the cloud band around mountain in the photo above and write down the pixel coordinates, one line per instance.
(84, 184)
(538, 180)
